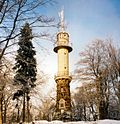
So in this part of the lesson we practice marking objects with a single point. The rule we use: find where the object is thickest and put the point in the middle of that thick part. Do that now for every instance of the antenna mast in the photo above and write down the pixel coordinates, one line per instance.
(61, 15)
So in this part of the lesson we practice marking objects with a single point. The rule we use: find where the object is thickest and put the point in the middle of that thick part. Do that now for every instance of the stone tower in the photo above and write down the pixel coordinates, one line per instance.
(62, 78)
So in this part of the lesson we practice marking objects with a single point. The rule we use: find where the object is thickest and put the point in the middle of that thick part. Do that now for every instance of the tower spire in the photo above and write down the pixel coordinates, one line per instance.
(62, 25)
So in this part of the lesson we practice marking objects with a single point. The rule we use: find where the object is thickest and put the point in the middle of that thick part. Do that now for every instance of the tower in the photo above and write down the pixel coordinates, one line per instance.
(62, 78)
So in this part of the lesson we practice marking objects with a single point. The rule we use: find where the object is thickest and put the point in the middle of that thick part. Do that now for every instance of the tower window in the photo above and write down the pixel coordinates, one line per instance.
(61, 105)
(64, 53)
(62, 90)
(65, 67)
(64, 41)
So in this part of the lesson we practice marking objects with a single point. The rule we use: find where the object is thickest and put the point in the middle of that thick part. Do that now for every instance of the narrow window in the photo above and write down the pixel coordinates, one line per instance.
(61, 105)
(62, 90)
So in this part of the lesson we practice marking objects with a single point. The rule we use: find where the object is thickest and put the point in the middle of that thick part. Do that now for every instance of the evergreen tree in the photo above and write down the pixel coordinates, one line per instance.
(25, 66)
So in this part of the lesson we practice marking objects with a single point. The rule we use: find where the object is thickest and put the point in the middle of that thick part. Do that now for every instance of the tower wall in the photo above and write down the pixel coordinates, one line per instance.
(63, 62)
(63, 95)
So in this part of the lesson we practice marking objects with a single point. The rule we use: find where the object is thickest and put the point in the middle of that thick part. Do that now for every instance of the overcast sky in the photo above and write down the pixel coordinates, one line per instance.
(86, 21)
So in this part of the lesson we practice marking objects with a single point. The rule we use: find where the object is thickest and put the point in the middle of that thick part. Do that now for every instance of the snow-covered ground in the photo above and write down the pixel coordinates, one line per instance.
(79, 122)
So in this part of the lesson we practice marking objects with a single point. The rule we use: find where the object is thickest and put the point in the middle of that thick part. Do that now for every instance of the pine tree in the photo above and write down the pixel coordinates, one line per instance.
(25, 66)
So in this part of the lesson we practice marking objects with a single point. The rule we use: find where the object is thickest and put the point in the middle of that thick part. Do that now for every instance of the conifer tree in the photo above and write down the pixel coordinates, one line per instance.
(25, 66)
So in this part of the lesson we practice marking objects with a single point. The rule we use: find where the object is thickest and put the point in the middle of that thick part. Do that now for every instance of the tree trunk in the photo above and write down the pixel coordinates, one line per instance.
(93, 112)
(84, 112)
(103, 110)
(23, 108)
(18, 114)
(102, 103)
(4, 116)
(4, 109)
(0, 107)
(28, 113)
(98, 97)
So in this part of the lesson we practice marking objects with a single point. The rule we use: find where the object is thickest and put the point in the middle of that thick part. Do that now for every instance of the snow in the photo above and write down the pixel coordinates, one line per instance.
(79, 122)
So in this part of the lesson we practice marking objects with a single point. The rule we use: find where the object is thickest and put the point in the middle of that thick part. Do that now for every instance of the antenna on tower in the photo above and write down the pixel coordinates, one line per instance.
(61, 15)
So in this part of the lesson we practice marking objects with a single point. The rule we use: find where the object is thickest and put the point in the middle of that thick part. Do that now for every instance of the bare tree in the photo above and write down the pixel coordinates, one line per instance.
(46, 109)
(96, 66)
(114, 59)
(5, 86)
(14, 13)
(85, 103)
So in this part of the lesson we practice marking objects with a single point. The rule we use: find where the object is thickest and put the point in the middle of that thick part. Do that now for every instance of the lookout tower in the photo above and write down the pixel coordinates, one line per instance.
(63, 78)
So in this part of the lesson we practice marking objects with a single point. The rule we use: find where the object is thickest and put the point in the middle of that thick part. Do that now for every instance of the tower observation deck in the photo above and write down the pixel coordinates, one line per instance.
(62, 78)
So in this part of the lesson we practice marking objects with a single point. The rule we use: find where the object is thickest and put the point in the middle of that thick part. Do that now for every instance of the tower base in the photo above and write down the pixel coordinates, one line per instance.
(63, 116)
